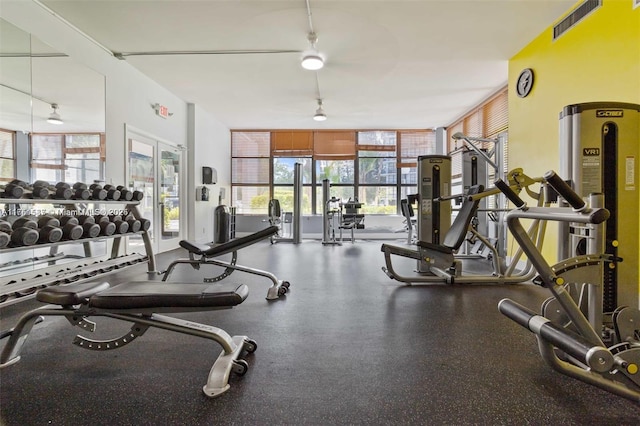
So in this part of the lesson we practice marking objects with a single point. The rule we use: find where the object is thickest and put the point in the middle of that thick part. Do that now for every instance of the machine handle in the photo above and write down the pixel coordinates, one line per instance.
(565, 190)
(509, 193)
(597, 358)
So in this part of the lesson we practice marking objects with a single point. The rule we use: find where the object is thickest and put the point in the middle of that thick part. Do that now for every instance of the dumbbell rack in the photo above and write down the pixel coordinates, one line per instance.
(22, 286)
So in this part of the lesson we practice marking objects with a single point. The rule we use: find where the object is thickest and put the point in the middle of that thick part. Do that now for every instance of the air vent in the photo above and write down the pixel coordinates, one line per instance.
(576, 16)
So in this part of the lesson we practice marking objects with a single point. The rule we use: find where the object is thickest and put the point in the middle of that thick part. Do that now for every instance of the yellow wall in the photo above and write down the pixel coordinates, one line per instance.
(596, 60)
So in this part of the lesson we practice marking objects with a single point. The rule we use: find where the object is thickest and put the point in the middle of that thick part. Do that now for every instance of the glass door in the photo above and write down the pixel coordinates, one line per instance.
(141, 161)
(169, 195)
(155, 168)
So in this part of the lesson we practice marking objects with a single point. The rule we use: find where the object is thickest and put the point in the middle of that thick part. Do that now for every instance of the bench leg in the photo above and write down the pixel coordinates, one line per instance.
(278, 287)
(218, 381)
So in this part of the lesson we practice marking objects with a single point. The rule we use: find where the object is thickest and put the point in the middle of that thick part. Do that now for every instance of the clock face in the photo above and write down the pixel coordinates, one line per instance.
(525, 82)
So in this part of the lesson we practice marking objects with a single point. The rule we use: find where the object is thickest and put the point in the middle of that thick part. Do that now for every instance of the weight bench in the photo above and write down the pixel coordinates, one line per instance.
(208, 251)
(140, 303)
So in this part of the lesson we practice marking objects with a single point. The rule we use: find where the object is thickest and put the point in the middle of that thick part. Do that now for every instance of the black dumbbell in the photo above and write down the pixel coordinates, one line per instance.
(85, 218)
(5, 226)
(134, 224)
(61, 191)
(11, 190)
(88, 224)
(95, 193)
(125, 193)
(49, 234)
(107, 228)
(23, 221)
(24, 237)
(71, 229)
(80, 191)
(145, 224)
(5, 233)
(5, 239)
(31, 191)
(65, 218)
(122, 227)
(90, 230)
(113, 193)
(48, 220)
(23, 231)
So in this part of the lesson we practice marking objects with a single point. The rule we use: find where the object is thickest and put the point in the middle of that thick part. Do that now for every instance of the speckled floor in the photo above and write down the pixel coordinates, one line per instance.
(347, 345)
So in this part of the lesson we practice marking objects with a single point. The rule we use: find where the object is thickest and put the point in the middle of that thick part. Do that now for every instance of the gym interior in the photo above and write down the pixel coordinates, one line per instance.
(390, 236)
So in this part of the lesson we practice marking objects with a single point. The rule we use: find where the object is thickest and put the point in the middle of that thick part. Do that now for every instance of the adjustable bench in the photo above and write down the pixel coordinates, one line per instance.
(140, 303)
(208, 251)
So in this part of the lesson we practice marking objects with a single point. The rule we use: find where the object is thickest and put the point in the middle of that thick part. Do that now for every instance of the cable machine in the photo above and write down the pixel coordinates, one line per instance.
(434, 218)
(599, 148)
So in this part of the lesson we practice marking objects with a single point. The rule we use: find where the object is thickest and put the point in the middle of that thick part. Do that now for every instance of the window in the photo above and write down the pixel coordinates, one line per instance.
(377, 172)
(67, 157)
(250, 177)
(283, 180)
(7, 155)
(413, 144)
(378, 167)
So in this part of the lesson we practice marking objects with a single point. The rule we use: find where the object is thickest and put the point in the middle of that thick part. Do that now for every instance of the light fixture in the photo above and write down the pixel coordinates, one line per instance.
(320, 115)
(54, 117)
(312, 60)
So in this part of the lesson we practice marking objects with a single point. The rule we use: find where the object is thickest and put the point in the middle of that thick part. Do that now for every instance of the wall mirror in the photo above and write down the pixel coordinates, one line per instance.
(33, 76)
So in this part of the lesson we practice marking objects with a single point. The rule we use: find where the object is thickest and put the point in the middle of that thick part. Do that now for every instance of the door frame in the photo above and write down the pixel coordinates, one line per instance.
(159, 245)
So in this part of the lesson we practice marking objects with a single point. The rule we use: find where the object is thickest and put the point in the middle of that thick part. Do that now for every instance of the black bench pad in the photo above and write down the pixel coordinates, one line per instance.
(72, 294)
(160, 294)
(230, 246)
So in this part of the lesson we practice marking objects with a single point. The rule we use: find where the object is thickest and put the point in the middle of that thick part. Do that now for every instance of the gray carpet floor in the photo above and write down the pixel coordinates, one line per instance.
(346, 345)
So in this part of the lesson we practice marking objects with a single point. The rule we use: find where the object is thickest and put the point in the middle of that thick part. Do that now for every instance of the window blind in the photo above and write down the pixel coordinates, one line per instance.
(292, 143)
(250, 144)
(496, 115)
(334, 145)
(413, 144)
(6, 144)
(47, 151)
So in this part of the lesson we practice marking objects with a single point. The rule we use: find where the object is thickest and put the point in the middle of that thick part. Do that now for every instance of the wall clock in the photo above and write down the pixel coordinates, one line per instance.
(524, 83)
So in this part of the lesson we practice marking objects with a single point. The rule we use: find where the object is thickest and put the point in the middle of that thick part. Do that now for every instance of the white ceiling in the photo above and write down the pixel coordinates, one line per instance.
(389, 64)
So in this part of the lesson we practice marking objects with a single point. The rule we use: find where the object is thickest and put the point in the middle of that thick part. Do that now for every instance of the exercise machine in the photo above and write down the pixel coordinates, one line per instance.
(351, 219)
(599, 151)
(406, 207)
(439, 263)
(280, 219)
(569, 334)
(478, 162)
(143, 304)
(205, 254)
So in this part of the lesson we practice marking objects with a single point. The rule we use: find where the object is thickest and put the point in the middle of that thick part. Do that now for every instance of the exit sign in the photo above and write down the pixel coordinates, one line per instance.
(162, 111)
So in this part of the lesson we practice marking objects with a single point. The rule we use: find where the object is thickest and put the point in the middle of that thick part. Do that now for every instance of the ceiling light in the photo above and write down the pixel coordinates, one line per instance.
(313, 60)
(54, 117)
(320, 115)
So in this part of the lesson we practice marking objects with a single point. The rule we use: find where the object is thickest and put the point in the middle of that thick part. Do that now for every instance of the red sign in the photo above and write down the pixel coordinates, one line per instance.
(162, 111)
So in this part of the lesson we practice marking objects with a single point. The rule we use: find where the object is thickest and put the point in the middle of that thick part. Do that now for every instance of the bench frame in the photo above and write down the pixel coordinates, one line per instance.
(202, 254)
(218, 380)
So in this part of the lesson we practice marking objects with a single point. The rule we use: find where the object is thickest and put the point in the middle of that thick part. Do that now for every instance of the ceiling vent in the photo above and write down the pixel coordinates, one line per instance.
(576, 16)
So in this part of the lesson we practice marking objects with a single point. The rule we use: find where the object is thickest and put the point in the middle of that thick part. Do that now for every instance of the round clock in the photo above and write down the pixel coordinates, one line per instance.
(524, 83)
